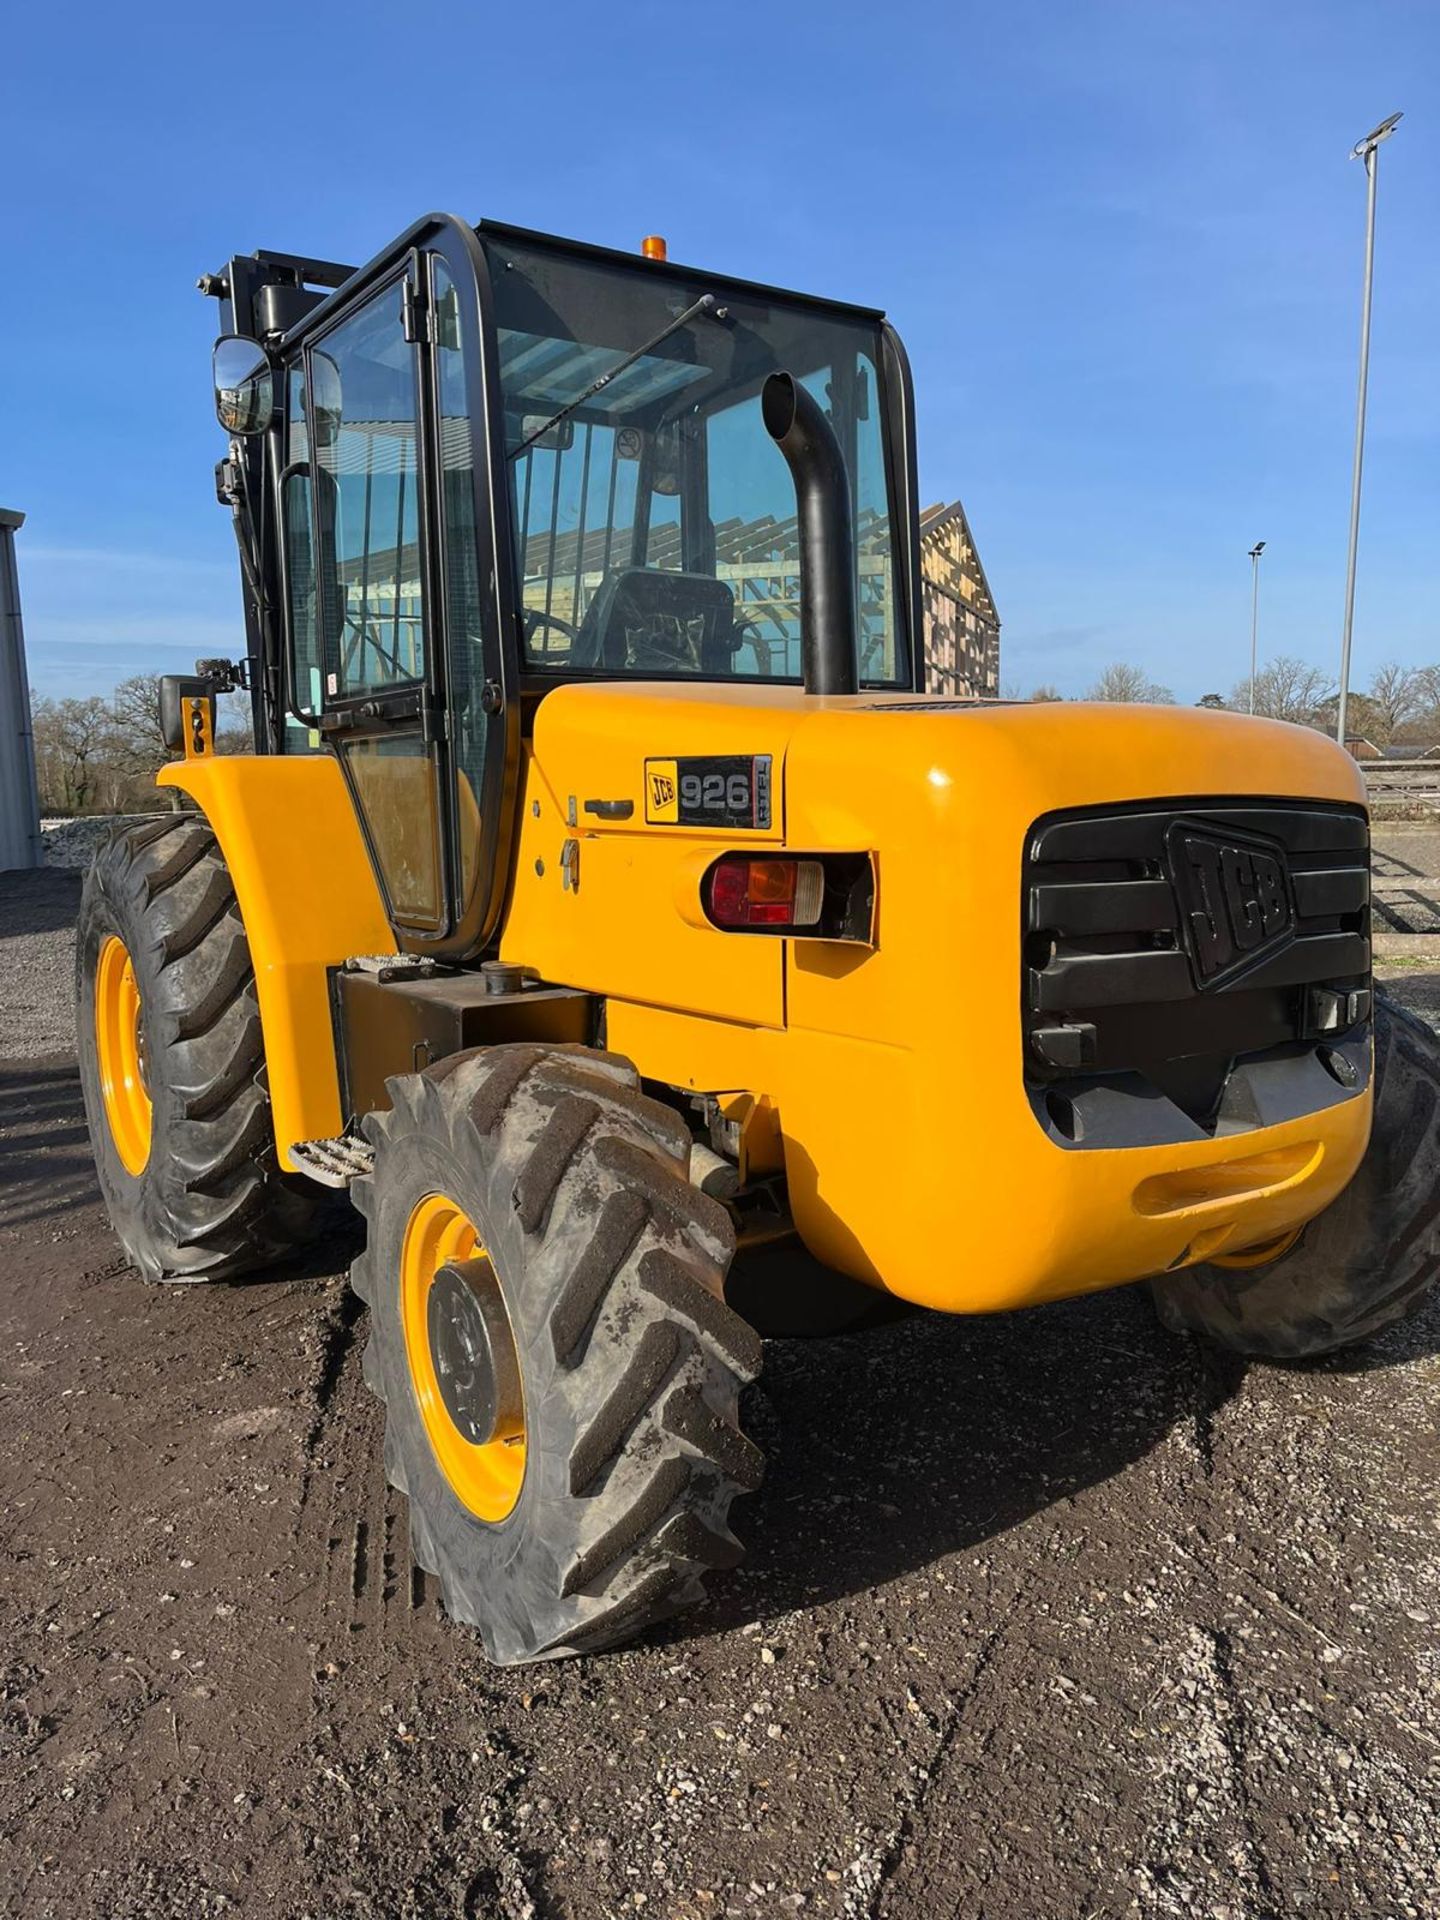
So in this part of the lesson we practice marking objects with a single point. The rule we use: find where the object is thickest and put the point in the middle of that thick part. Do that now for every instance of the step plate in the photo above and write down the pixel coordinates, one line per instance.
(334, 1163)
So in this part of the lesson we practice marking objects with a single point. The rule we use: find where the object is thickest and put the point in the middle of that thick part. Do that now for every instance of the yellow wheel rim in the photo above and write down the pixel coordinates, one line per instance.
(120, 1050)
(484, 1477)
(1261, 1255)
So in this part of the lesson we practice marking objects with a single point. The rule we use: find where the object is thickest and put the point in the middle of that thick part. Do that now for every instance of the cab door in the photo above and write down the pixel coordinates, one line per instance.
(365, 381)
(391, 590)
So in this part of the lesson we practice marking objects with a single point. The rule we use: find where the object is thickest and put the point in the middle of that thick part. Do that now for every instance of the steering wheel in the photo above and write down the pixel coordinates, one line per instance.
(534, 618)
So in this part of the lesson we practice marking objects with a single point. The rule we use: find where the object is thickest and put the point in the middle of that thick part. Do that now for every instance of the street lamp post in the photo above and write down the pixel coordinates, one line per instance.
(1255, 553)
(1365, 150)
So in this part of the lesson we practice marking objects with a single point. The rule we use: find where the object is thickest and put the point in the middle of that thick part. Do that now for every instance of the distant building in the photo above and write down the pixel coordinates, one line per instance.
(962, 628)
(19, 805)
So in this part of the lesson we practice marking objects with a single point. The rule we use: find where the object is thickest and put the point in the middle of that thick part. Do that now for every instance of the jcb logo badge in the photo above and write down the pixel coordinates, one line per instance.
(1235, 899)
(719, 791)
(662, 792)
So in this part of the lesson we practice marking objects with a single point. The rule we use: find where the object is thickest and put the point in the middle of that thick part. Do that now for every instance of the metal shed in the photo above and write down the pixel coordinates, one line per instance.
(19, 803)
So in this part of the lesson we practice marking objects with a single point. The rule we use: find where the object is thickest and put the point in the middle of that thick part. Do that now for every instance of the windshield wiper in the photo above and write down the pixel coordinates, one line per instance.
(707, 303)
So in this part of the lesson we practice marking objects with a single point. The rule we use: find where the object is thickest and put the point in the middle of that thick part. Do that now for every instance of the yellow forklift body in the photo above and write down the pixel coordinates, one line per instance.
(308, 896)
(914, 1160)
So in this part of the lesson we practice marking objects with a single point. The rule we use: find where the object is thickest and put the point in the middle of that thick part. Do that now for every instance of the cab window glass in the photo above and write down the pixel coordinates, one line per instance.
(574, 505)
(655, 518)
(394, 777)
(366, 470)
(751, 500)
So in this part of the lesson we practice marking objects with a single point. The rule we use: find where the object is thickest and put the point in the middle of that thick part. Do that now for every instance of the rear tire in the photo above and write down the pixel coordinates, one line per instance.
(610, 1267)
(1364, 1263)
(202, 1196)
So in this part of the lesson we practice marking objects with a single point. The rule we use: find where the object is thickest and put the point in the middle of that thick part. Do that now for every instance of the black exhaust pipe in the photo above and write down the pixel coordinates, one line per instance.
(796, 422)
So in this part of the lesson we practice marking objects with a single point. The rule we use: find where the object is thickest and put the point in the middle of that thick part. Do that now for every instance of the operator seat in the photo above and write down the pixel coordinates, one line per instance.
(655, 620)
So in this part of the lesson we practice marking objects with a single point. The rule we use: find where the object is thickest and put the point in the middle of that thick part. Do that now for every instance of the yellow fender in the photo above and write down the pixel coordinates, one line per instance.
(309, 899)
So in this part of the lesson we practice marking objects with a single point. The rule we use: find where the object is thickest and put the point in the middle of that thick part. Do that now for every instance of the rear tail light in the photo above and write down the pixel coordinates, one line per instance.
(822, 896)
(774, 894)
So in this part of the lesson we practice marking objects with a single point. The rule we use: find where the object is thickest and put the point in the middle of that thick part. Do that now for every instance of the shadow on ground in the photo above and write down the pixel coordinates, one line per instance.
(47, 1171)
(45, 1164)
(892, 1449)
(41, 900)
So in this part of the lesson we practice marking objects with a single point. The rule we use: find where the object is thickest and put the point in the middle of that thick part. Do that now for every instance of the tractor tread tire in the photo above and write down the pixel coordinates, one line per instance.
(211, 1202)
(612, 1268)
(1364, 1263)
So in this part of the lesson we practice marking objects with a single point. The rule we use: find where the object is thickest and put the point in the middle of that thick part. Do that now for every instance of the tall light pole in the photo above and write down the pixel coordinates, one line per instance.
(1255, 553)
(1365, 150)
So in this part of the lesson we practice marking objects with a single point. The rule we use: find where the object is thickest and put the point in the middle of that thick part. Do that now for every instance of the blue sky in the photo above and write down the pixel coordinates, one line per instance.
(1122, 241)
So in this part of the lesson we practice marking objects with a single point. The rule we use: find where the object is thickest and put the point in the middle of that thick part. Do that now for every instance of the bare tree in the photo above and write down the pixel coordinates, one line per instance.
(1427, 688)
(1123, 682)
(1396, 694)
(1043, 696)
(1287, 689)
(1215, 701)
(139, 740)
(1363, 719)
(1424, 723)
(74, 740)
(234, 724)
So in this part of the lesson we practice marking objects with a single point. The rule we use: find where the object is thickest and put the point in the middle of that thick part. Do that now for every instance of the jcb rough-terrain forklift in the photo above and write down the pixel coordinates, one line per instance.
(605, 888)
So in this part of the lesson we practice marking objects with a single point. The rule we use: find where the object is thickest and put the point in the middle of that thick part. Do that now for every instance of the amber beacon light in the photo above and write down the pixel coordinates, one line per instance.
(653, 246)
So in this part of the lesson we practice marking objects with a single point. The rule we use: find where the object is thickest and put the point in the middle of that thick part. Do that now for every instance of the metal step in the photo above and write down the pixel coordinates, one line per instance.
(334, 1163)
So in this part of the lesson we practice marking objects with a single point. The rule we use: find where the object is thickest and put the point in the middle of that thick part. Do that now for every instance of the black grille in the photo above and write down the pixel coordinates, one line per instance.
(1167, 948)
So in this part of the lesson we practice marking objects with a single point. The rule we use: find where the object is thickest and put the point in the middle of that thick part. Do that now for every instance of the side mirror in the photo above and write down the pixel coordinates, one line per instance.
(244, 384)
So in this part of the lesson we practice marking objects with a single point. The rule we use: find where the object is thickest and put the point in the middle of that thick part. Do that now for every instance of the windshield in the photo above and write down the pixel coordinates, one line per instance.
(654, 521)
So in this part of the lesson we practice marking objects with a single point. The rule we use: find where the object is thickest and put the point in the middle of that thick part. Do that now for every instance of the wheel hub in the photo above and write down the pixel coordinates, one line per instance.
(120, 1055)
(473, 1352)
(464, 1363)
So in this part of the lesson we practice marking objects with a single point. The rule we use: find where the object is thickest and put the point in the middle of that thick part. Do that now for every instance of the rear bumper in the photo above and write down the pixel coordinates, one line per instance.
(1006, 1218)
(926, 1174)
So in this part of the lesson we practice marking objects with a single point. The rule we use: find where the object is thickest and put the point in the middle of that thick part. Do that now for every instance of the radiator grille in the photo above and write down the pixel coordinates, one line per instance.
(1166, 946)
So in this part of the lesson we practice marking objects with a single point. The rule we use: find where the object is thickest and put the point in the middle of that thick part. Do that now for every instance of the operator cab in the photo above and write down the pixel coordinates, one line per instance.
(491, 462)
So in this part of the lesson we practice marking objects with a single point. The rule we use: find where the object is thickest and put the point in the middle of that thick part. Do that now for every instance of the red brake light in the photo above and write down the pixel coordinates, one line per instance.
(729, 893)
(774, 895)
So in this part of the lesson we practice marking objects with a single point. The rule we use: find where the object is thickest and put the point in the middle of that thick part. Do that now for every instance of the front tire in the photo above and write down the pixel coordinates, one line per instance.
(1364, 1263)
(531, 1222)
(172, 1061)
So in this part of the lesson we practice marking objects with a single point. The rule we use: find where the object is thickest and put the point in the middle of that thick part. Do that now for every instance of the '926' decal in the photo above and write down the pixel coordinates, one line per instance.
(709, 790)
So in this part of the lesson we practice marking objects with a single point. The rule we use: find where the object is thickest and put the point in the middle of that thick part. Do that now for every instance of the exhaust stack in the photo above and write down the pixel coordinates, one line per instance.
(797, 424)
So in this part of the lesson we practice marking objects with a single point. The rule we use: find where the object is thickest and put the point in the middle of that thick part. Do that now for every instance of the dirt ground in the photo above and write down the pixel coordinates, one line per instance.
(1046, 1616)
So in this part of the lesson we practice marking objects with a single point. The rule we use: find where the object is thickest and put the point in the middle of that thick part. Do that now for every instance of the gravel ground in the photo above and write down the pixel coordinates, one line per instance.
(72, 843)
(1046, 1615)
(37, 961)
